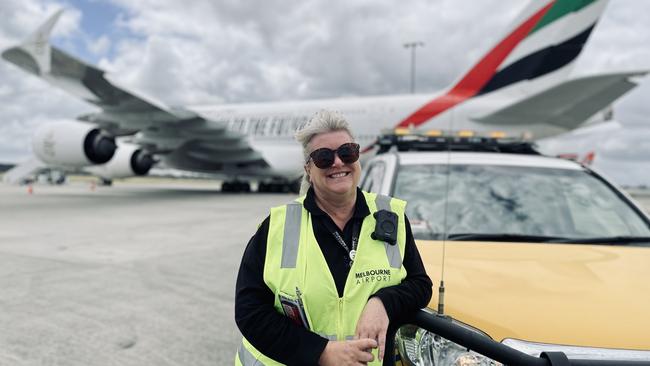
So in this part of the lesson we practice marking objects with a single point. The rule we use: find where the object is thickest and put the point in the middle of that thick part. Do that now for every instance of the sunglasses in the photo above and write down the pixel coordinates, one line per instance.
(323, 158)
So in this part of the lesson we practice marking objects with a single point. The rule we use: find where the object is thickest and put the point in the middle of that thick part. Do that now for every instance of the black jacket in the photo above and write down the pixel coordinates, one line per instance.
(275, 335)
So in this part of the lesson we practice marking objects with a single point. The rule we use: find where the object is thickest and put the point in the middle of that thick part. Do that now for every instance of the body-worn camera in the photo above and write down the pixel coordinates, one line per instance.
(386, 227)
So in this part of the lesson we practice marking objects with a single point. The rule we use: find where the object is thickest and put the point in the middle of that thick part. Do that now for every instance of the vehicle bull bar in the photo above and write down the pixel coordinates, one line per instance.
(486, 346)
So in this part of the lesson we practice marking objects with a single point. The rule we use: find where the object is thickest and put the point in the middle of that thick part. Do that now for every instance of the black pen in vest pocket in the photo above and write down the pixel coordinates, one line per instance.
(303, 314)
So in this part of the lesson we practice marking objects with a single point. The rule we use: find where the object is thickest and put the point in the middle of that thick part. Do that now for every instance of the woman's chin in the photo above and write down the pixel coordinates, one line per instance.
(340, 187)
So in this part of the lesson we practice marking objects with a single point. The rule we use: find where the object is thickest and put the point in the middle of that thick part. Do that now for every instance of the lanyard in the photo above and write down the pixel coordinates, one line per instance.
(356, 230)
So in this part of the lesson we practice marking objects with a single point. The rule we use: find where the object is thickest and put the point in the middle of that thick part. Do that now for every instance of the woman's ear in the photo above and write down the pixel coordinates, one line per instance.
(306, 166)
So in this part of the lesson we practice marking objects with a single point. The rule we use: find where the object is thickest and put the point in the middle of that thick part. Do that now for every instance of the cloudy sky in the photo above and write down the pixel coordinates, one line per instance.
(228, 51)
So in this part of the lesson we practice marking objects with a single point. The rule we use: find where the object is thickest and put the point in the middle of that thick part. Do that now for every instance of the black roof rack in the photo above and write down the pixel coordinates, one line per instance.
(414, 142)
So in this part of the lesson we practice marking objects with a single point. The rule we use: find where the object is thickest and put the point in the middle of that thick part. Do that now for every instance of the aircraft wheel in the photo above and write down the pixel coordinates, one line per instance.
(226, 187)
(244, 187)
(294, 187)
(262, 187)
(235, 187)
(279, 187)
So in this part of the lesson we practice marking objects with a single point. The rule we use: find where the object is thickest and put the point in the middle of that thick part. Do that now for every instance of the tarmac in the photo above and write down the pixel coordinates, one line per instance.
(134, 274)
(140, 273)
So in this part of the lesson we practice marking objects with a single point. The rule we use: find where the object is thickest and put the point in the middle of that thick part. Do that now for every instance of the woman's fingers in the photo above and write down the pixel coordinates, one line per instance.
(363, 346)
(381, 344)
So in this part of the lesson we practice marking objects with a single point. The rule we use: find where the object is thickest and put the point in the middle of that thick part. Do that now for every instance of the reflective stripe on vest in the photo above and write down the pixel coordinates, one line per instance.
(246, 358)
(392, 251)
(291, 235)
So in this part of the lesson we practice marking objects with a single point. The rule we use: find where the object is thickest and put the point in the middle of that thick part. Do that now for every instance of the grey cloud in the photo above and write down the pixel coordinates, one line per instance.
(631, 144)
(338, 48)
(27, 103)
(622, 152)
(624, 173)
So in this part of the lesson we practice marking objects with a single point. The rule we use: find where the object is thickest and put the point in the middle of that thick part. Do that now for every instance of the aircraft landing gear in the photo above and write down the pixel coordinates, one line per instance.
(279, 187)
(235, 187)
(264, 187)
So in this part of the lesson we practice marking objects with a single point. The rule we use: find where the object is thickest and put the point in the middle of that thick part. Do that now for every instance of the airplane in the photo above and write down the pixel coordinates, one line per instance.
(521, 86)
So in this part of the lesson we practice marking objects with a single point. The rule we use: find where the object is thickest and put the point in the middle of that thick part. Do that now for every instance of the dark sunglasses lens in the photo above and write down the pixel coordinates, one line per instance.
(323, 158)
(349, 153)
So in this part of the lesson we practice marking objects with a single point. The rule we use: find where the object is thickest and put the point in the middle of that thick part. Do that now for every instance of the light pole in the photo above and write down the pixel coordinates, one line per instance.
(413, 46)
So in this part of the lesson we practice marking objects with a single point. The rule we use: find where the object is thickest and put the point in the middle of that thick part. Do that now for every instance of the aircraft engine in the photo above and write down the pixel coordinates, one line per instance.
(73, 144)
(129, 160)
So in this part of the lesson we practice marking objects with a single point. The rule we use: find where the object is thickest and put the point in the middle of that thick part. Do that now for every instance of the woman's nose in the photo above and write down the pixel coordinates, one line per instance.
(338, 161)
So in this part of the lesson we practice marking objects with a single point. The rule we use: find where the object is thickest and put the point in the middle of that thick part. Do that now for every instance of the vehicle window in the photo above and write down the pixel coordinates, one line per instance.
(513, 200)
(374, 177)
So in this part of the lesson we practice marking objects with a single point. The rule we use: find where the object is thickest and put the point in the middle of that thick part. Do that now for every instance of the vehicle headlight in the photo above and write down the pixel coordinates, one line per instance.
(419, 347)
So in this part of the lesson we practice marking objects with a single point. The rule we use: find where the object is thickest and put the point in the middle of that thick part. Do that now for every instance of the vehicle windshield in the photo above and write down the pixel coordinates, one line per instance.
(513, 201)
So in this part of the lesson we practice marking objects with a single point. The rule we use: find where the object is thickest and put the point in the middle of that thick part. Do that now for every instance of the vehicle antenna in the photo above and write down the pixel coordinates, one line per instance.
(445, 231)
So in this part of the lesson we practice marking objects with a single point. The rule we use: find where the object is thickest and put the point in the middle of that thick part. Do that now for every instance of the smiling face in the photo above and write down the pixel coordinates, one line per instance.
(340, 179)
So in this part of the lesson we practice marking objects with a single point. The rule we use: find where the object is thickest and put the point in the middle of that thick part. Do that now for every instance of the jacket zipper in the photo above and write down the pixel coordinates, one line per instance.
(339, 327)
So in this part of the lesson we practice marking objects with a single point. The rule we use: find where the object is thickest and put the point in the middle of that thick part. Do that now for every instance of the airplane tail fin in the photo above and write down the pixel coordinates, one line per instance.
(546, 55)
(537, 52)
(34, 54)
(588, 159)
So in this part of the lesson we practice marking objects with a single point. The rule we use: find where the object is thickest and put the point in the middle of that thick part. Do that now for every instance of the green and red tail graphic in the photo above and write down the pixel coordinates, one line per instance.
(547, 38)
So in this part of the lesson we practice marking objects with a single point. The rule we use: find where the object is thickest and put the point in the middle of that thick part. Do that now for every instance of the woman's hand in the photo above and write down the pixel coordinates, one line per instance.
(356, 352)
(373, 324)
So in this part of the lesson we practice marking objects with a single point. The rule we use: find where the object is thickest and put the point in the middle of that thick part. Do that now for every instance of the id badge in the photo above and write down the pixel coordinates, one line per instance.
(294, 310)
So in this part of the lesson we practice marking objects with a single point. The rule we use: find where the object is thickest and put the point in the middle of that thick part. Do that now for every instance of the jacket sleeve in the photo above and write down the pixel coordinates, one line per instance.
(414, 292)
(269, 331)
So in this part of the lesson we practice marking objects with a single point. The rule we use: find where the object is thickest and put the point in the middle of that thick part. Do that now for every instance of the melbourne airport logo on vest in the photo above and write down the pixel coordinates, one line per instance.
(372, 276)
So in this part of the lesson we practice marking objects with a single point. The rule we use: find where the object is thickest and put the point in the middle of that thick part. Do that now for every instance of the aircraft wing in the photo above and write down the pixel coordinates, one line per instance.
(568, 104)
(119, 106)
(188, 140)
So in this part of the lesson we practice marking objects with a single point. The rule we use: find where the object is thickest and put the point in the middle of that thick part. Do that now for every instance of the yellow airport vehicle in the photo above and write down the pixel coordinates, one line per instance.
(539, 253)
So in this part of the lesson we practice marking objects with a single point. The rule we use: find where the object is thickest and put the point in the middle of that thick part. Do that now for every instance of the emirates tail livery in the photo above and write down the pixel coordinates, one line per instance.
(521, 85)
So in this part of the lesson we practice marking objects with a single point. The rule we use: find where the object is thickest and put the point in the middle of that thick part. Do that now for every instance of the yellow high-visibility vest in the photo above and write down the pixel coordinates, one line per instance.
(294, 261)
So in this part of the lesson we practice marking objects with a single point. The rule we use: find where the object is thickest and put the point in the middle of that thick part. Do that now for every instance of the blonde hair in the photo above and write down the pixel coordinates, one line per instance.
(323, 121)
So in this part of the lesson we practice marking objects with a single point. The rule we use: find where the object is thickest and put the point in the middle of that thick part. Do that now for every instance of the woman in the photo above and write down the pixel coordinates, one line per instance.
(304, 296)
